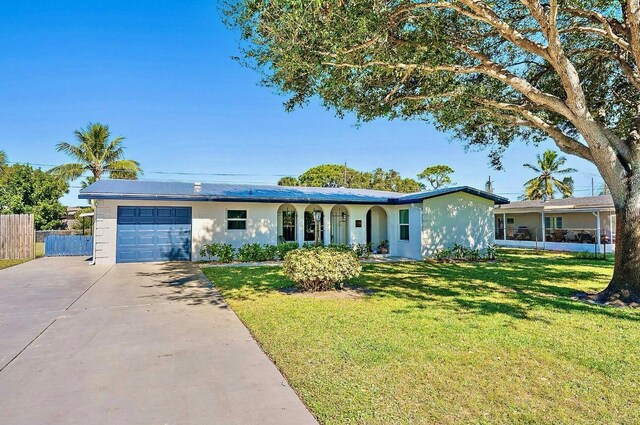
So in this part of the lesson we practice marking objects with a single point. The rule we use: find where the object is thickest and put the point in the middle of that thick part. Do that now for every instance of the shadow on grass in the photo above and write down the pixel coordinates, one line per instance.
(515, 286)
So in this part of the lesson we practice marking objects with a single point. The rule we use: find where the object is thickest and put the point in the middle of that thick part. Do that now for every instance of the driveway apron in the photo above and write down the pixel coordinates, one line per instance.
(149, 343)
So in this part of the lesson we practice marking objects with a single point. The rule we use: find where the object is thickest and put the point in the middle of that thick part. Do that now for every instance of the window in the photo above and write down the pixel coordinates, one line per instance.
(511, 220)
(289, 226)
(310, 227)
(236, 219)
(404, 225)
(553, 222)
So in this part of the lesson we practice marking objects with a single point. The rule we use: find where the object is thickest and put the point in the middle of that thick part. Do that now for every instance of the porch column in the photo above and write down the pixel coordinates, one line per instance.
(326, 210)
(300, 223)
(504, 226)
(598, 237)
(544, 230)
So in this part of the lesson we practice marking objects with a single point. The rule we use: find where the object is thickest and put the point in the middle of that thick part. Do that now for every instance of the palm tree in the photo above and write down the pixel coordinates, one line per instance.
(96, 154)
(545, 184)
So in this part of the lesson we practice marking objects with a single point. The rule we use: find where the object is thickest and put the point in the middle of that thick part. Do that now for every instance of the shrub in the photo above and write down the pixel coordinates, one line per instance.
(270, 252)
(362, 250)
(286, 247)
(250, 252)
(320, 269)
(256, 252)
(224, 252)
(461, 252)
(339, 247)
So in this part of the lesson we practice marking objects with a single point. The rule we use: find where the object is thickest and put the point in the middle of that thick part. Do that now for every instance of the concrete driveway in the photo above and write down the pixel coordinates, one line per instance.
(130, 343)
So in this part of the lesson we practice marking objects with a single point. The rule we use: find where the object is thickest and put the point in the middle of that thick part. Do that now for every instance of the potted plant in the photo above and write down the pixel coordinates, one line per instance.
(383, 247)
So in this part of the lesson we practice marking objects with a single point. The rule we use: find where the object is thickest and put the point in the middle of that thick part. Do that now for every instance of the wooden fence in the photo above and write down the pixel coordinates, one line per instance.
(17, 236)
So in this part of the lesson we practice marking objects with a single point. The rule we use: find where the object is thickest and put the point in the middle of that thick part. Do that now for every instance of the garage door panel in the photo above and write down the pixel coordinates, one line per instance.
(153, 234)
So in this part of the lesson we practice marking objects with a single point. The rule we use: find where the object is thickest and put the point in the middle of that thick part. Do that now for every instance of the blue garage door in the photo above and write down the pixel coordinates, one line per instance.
(153, 234)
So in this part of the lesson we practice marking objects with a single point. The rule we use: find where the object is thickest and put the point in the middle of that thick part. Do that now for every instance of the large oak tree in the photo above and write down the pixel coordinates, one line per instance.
(490, 72)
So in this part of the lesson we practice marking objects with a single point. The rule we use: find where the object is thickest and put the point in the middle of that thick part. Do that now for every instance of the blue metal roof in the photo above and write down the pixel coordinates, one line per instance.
(185, 191)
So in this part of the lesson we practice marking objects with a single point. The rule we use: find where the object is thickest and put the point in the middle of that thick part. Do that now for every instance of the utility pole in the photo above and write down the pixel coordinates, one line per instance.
(488, 187)
(592, 190)
(344, 184)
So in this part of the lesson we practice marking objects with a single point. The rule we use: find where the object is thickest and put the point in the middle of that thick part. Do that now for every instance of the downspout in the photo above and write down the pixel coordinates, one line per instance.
(95, 220)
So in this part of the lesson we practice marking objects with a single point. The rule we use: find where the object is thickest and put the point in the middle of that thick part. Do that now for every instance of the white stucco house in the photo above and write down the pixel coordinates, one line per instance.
(138, 221)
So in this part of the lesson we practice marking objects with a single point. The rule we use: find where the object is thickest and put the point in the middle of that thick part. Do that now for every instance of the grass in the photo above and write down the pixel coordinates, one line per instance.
(8, 263)
(450, 343)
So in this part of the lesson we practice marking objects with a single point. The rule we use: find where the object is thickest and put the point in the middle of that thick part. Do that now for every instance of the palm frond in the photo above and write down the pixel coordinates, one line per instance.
(533, 167)
(68, 171)
(73, 151)
(124, 169)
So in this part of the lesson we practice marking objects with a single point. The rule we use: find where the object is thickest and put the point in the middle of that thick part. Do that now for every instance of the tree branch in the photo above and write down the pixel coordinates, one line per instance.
(566, 143)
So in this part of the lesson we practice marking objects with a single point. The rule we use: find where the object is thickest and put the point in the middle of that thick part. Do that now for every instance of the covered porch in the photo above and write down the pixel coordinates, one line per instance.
(590, 230)
(335, 224)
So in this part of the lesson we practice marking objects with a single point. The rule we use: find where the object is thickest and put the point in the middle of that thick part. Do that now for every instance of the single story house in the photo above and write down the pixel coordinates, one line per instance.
(139, 220)
(568, 224)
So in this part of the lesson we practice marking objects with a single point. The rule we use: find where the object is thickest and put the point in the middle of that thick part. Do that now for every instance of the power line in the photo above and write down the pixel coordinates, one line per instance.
(181, 173)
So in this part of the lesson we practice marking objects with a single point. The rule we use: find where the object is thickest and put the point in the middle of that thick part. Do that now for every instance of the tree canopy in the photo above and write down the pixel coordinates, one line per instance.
(25, 190)
(96, 154)
(545, 184)
(490, 73)
(335, 175)
(437, 176)
(3, 160)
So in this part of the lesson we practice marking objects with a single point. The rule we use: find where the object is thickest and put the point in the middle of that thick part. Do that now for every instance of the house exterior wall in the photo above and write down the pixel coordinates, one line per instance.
(209, 225)
(456, 218)
(531, 221)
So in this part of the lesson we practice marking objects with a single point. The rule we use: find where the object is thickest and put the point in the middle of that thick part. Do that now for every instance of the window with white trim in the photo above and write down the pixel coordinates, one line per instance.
(404, 225)
(236, 219)
(553, 222)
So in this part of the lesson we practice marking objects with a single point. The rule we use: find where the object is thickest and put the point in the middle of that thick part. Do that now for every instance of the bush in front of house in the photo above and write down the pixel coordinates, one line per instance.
(458, 252)
(255, 252)
(224, 252)
(285, 248)
(320, 269)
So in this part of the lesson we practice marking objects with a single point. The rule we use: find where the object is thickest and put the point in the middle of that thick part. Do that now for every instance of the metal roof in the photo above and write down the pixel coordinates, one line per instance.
(586, 202)
(188, 191)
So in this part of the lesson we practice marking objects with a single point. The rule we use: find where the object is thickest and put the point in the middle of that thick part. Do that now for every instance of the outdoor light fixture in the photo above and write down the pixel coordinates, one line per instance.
(317, 215)
(344, 216)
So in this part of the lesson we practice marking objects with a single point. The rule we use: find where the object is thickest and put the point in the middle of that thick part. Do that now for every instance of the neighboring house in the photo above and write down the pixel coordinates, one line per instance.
(155, 221)
(69, 218)
(568, 224)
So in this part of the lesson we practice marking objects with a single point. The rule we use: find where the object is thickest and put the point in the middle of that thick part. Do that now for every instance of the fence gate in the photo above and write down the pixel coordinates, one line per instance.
(17, 236)
(68, 245)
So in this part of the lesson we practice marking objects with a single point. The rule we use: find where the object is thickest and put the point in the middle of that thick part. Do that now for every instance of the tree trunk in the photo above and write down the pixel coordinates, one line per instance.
(625, 283)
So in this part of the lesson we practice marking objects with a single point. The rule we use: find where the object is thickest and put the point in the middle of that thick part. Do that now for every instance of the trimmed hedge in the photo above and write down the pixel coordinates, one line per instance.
(320, 269)
(248, 252)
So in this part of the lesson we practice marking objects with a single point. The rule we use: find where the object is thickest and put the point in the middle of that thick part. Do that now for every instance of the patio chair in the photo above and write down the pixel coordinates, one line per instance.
(571, 236)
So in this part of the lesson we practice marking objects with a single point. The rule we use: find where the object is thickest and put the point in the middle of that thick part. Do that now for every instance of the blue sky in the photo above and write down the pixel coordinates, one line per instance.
(160, 73)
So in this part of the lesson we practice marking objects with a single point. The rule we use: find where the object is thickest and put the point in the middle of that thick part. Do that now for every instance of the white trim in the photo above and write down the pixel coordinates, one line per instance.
(227, 219)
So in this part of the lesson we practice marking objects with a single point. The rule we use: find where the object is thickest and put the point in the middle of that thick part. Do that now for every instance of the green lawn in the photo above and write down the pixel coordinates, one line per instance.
(450, 343)
(8, 263)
